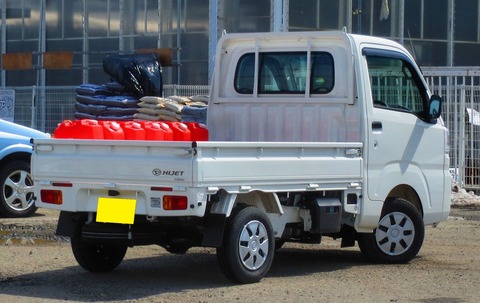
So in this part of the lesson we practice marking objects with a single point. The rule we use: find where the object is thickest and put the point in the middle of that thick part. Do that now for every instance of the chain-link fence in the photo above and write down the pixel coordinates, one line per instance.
(460, 89)
(43, 113)
(43, 108)
(185, 90)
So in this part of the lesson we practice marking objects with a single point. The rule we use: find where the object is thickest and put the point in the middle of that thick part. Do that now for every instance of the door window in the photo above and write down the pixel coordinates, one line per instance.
(395, 84)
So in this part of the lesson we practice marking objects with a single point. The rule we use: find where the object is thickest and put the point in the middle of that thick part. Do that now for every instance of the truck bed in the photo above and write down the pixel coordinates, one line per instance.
(144, 170)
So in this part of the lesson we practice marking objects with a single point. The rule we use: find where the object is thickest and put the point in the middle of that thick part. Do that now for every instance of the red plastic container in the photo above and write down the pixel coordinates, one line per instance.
(133, 130)
(158, 131)
(112, 130)
(79, 129)
(199, 132)
(180, 131)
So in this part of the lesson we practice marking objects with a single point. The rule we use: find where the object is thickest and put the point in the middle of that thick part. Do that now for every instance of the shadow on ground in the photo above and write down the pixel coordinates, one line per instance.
(153, 276)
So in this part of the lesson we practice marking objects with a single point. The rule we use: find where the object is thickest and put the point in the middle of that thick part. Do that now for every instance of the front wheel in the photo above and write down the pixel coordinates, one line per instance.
(97, 257)
(247, 250)
(398, 237)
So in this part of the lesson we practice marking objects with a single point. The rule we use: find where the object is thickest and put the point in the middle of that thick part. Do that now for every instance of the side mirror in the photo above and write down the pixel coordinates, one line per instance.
(435, 107)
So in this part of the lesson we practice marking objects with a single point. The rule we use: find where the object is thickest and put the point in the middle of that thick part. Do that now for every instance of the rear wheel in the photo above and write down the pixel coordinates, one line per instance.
(247, 250)
(178, 249)
(398, 237)
(97, 257)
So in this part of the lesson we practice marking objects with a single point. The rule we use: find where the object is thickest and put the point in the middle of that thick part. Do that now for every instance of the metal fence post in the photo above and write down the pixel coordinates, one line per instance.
(33, 123)
(461, 134)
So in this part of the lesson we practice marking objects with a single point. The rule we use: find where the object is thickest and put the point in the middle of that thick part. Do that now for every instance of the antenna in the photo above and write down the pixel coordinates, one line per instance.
(411, 45)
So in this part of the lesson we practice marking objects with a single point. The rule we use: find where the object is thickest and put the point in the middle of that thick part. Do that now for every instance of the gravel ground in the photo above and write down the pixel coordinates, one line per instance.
(36, 266)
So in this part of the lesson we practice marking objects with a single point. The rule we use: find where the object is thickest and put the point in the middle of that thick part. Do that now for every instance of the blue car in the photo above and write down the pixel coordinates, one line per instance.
(16, 184)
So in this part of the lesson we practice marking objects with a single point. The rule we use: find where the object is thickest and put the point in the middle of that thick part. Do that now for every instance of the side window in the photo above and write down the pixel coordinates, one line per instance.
(395, 84)
(322, 80)
(245, 74)
(285, 73)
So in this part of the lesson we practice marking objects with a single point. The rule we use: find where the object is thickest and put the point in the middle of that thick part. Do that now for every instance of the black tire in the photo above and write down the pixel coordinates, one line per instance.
(398, 237)
(248, 246)
(96, 257)
(279, 243)
(17, 196)
(177, 249)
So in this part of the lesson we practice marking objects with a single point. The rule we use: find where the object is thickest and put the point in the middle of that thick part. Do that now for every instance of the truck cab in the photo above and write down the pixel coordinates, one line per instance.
(337, 87)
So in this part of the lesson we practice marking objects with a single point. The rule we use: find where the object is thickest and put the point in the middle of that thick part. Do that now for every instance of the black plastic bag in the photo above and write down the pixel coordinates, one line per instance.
(138, 73)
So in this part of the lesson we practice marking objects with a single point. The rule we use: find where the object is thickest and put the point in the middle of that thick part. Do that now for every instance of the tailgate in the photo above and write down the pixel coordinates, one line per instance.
(132, 162)
(81, 173)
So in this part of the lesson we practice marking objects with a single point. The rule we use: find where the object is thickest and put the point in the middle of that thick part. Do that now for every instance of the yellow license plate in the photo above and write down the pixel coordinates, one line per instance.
(116, 210)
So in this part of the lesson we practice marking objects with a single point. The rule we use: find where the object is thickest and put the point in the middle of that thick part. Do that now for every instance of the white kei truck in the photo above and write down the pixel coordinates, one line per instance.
(311, 134)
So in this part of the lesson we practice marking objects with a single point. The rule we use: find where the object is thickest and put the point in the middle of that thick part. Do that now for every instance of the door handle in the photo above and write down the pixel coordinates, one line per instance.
(376, 125)
(356, 152)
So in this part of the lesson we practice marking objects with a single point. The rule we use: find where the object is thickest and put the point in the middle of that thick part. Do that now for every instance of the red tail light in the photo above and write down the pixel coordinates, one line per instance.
(62, 184)
(51, 196)
(175, 202)
(157, 188)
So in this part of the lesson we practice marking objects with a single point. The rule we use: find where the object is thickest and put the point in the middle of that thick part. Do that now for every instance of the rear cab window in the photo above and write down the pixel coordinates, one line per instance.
(285, 73)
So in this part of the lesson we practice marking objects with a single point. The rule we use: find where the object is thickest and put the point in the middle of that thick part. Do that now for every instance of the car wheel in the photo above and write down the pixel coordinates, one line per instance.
(17, 198)
(247, 250)
(97, 257)
(398, 237)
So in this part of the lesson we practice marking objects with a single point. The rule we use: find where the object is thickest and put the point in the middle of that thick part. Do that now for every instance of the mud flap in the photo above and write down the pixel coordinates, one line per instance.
(66, 224)
(214, 228)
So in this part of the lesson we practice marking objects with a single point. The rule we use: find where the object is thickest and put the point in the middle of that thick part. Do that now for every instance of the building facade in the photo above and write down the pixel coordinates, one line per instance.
(437, 32)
